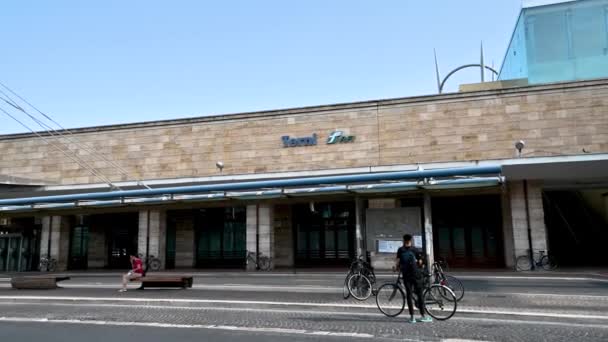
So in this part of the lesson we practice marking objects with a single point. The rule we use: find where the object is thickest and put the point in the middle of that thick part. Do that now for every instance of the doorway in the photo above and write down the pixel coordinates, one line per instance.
(324, 233)
(220, 235)
(121, 236)
(467, 230)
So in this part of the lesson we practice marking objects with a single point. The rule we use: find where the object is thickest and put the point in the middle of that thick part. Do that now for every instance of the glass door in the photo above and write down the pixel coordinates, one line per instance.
(220, 237)
(10, 253)
(325, 233)
(79, 247)
(3, 253)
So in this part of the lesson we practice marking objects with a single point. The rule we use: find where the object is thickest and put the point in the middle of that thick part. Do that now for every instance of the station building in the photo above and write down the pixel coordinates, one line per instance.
(318, 186)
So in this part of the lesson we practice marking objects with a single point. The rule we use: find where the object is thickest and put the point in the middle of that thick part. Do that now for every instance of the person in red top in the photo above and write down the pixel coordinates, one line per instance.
(136, 272)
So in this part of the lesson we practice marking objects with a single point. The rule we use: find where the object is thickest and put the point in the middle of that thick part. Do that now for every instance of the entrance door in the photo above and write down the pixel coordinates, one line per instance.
(220, 237)
(324, 233)
(467, 230)
(121, 230)
(79, 247)
(10, 253)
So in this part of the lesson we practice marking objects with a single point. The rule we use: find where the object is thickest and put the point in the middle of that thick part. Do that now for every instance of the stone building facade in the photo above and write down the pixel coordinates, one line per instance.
(564, 126)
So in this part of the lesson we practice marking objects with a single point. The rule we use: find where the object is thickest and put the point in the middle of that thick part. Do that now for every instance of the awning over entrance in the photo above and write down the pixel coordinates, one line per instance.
(435, 179)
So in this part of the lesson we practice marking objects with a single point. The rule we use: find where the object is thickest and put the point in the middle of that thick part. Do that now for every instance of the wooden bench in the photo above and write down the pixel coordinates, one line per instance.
(42, 282)
(164, 281)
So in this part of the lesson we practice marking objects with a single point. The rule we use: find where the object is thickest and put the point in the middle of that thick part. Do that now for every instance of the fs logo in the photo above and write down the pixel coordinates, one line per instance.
(339, 137)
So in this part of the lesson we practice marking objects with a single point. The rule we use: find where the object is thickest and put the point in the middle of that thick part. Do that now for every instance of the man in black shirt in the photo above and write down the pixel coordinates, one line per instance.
(407, 263)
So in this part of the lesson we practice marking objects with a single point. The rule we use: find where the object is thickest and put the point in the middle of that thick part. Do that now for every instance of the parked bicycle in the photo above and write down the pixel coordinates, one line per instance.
(151, 262)
(528, 262)
(47, 264)
(261, 262)
(359, 280)
(439, 277)
(439, 300)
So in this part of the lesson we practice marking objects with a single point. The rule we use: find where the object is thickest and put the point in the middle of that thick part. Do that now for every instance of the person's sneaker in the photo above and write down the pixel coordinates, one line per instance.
(425, 319)
(412, 320)
(122, 290)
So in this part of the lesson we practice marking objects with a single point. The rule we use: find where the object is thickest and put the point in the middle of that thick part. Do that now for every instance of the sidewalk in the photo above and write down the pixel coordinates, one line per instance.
(596, 273)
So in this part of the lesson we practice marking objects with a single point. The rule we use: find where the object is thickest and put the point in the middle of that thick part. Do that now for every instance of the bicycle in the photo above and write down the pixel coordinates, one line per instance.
(527, 262)
(261, 262)
(439, 300)
(47, 264)
(359, 280)
(450, 281)
(152, 263)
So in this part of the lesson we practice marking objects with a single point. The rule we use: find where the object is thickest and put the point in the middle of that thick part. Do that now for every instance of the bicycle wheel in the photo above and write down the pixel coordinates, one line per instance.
(440, 302)
(345, 292)
(390, 300)
(523, 263)
(264, 263)
(548, 263)
(51, 266)
(359, 286)
(154, 264)
(455, 285)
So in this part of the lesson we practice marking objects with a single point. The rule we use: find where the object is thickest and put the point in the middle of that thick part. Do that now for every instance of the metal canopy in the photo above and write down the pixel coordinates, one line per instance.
(256, 185)
(371, 188)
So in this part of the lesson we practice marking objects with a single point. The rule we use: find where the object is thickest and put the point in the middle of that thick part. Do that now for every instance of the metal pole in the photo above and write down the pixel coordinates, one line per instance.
(528, 224)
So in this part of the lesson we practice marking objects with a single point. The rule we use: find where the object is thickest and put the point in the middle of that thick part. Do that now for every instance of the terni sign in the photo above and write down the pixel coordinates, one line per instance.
(335, 137)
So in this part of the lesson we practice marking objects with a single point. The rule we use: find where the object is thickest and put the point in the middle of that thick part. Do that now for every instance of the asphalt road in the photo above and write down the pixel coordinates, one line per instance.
(301, 308)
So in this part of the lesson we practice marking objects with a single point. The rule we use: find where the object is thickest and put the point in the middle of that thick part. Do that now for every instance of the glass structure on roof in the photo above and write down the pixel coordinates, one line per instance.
(559, 42)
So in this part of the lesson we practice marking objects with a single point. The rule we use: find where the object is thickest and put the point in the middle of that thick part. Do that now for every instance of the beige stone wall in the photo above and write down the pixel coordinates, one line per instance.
(519, 222)
(556, 119)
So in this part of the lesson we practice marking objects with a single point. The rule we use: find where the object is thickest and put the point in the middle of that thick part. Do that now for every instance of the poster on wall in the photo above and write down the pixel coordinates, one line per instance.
(418, 241)
(389, 246)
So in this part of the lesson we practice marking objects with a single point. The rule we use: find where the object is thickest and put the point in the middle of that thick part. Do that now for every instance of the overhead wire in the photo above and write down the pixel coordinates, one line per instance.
(58, 147)
(83, 145)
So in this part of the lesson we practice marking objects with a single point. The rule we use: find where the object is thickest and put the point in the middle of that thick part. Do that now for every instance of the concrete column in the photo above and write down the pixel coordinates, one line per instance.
(266, 231)
(260, 231)
(507, 229)
(157, 230)
(360, 222)
(251, 234)
(428, 230)
(518, 216)
(59, 229)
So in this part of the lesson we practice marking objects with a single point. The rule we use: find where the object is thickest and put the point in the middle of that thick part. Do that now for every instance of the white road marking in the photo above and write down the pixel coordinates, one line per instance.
(532, 294)
(482, 277)
(473, 310)
(306, 288)
(234, 287)
(460, 340)
(189, 326)
(318, 312)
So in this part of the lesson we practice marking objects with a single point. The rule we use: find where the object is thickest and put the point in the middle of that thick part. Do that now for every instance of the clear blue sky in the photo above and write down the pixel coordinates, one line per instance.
(93, 63)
